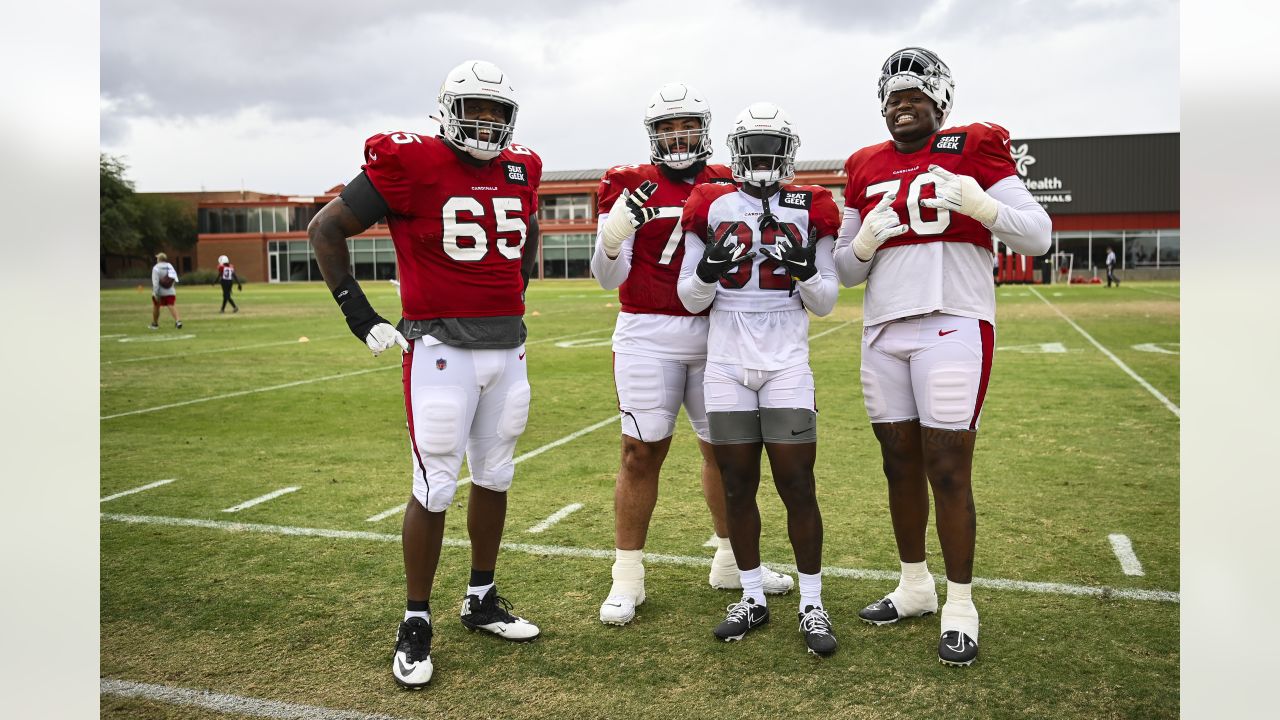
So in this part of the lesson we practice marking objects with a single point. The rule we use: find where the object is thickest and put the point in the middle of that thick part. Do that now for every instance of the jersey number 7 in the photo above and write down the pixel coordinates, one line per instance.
(917, 223)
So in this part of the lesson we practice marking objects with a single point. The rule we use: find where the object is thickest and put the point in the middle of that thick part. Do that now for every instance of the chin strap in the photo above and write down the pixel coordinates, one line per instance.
(768, 219)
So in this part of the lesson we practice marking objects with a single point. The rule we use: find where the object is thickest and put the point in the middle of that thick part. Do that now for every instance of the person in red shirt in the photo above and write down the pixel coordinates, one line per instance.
(928, 336)
(659, 347)
(462, 211)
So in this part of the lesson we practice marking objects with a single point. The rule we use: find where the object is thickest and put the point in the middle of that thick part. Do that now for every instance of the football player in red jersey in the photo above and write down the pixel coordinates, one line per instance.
(928, 323)
(659, 347)
(758, 386)
(462, 209)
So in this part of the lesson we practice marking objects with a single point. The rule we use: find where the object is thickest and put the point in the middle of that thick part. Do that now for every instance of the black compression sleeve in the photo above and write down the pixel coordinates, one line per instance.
(364, 200)
(356, 308)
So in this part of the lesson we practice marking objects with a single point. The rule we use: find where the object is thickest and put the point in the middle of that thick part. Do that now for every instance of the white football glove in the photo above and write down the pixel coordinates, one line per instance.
(878, 226)
(383, 336)
(627, 216)
(962, 194)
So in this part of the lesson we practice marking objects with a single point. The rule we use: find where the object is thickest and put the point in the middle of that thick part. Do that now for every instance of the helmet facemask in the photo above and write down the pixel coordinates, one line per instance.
(696, 141)
(465, 134)
(912, 68)
(763, 158)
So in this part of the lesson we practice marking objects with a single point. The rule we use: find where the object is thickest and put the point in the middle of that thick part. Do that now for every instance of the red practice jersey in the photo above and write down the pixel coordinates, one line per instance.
(650, 287)
(458, 229)
(226, 272)
(980, 150)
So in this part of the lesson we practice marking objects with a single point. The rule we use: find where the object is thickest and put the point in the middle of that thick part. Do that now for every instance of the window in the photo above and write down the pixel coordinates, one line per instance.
(1077, 244)
(567, 255)
(565, 208)
(1140, 249)
(1170, 242)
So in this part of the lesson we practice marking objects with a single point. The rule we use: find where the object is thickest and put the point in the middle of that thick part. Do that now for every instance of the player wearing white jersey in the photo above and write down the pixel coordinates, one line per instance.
(659, 347)
(929, 312)
(758, 386)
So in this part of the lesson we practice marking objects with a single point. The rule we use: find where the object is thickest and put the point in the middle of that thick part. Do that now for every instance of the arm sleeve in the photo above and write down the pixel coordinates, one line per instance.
(849, 268)
(611, 273)
(1021, 222)
(819, 292)
(695, 294)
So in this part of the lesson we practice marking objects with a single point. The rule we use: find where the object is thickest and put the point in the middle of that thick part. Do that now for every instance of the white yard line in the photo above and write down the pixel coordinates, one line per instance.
(1049, 588)
(1157, 292)
(104, 337)
(148, 486)
(555, 517)
(262, 498)
(250, 392)
(829, 331)
(1123, 549)
(532, 453)
(224, 703)
(219, 350)
(1120, 363)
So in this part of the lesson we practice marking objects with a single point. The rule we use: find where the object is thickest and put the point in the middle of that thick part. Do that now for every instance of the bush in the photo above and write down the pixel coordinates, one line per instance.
(200, 277)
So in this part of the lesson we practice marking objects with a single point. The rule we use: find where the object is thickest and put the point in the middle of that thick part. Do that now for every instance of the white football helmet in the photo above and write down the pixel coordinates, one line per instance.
(916, 67)
(476, 80)
(763, 134)
(223, 260)
(677, 100)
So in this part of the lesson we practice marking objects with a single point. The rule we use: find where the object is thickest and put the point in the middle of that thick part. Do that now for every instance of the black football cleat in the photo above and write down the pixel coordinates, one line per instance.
(815, 625)
(957, 649)
(743, 616)
(491, 614)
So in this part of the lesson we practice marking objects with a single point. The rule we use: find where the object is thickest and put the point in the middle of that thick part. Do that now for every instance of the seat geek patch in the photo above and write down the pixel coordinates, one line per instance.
(953, 143)
(515, 173)
(798, 199)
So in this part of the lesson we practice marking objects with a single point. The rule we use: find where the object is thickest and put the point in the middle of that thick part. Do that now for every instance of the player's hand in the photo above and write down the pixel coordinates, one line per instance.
(382, 336)
(788, 251)
(627, 215)
(722, 258)
(878, 226)
(961, 194)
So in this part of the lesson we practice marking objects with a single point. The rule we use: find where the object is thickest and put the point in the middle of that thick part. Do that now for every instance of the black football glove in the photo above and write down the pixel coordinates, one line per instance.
(787, 251)
(721, 258)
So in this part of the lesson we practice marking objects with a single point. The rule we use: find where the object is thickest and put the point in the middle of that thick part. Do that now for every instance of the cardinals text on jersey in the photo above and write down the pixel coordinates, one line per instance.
(650, 287)
(980, 150)
(458, 229)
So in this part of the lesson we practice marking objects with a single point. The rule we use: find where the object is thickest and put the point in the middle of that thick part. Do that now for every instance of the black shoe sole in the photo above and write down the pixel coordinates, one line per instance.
(736, 638)
(890, 622)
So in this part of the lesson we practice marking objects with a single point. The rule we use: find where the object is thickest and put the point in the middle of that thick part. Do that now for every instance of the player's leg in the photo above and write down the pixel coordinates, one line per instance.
(733, 420)
(951, 379)
(173, 310)
(649, 397)
(440, 398)
(155, 313)
(891, 406)
(789, 427)
(500, 418)
(724, 566)
(226, 294)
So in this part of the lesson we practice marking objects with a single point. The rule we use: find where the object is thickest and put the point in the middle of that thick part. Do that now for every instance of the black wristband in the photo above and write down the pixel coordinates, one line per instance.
(356, 308)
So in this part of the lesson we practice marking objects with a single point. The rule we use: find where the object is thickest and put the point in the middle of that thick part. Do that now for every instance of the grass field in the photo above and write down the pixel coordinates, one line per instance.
(296, 599)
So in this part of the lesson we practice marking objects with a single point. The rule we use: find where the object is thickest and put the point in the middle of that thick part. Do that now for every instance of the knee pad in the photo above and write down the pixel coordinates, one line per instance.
(515, 413)
(437, 420)
(788, 425)
(952, 392)
(641, 386)
(740, 426)
(872, 395)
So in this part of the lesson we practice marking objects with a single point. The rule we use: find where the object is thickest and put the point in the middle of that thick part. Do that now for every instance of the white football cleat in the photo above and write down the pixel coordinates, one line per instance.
(775, 583)
(411, 662)
(491, 614)
(620, 607)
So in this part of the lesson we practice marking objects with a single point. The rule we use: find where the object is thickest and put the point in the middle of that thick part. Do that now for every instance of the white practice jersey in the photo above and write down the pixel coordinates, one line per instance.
(758, 315)
(160, 270)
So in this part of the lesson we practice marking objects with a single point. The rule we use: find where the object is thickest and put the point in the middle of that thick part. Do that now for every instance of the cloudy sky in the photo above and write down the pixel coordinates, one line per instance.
(279, 96)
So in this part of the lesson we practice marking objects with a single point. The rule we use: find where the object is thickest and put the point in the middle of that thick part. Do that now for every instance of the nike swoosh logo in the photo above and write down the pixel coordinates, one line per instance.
(373, 156)
(405, 670)
(959, 645)
(800, 432)
(945, 332)
(521, 356)
(613, 604)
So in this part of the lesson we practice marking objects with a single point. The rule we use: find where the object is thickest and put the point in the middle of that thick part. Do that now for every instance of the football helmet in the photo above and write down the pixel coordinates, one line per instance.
(763, 134)
(476, 80)
(677, 100)
(915, 67)
(223, 259)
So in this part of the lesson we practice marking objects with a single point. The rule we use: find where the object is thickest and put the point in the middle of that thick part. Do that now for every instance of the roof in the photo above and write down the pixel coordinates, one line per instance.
(596, 174)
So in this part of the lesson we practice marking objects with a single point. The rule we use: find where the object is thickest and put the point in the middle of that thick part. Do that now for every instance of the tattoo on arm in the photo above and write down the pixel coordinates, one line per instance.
(328, 232)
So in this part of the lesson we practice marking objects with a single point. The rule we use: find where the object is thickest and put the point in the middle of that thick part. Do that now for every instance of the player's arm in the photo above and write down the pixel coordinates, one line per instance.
(347, 215)
(820, 291)
(1021, 222)
(611, 272)
(695, 293)
(529, 258)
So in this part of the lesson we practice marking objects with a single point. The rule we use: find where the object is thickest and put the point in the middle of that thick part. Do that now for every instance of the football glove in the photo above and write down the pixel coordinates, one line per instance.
(878, 226)
(627, 216)
(366, 324)
(962, 194)
(722, 258)
(787, 251)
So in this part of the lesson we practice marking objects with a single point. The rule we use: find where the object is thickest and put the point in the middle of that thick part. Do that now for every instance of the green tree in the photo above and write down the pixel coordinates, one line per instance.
(164, 223)
(117, 211)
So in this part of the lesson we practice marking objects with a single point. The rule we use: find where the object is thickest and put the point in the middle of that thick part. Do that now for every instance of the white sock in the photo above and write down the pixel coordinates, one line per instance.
(959, 612)
(810, 590)
(628, 567)
(753, 585)
(723, 544)
(723, 558)
(915, 576)
(418, 614)
(478, 591)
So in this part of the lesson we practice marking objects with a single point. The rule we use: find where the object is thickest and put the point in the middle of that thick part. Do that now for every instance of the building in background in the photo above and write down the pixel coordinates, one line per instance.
(1117, 190)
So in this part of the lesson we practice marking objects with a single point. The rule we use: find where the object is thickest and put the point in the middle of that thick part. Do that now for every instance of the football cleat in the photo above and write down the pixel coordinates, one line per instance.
(153, 326)
(491, 614)
(898, 605)
(957, 649)
(178, 324)
(727, 578)
(743, 616)
(815, 625)
(411, 662)
(620, 607)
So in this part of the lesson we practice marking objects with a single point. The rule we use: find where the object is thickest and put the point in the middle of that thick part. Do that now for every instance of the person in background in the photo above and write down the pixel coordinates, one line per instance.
(163, 279)
(1111, 268)
(226, 276)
